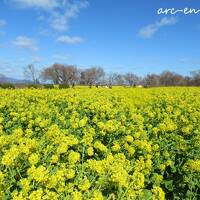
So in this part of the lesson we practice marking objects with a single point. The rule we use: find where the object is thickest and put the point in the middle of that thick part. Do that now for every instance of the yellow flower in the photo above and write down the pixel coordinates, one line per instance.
(83, 122)
(158, 193)
(98, 145)
(54, 159)
(17, 196)
(192, 165)
(85, 185)
(25, 184)
(70, 173)
(39, 174)
(129, 138)
(73, 157)
(148, 163)
(116, 146)
(97, 166)
(162, 167)
(90, 151)
(137, 180)
(33, 159)
(50, 195)
(62, 148)
(10, 156)
(126, 134)
(36, 195)
(77, 195)
(169, 162)
(1, 177)
(97, 195)
(119, 175)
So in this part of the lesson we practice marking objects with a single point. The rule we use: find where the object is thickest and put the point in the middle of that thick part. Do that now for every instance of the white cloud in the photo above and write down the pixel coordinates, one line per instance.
(59, 22)
(61, 57)
(26, 43)
(149, 30)
(36, 59)
(58, 13)
(8, 66)
(60, 18)
(69, 40)
(2, 22)
(167, 21)
(43, 4)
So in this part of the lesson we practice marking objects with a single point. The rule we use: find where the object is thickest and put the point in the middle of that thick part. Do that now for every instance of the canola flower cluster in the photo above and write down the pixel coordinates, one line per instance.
(98, 144)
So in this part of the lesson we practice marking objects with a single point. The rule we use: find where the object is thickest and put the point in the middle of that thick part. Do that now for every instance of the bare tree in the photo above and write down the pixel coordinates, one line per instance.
(111, 79)
(70, 74)
(131, 79)
(168, 78)
(151, 80)
(52, 73)
(188, 81)
(61, 74)
(30, 72)
(196, 77)
(119, 79)
(178, 80)
(92, 76)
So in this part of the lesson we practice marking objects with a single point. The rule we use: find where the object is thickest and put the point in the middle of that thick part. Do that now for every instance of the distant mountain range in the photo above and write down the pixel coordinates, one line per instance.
(5, 79)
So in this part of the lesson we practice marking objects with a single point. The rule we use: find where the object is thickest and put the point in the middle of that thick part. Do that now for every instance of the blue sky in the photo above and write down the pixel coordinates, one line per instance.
(119, 35)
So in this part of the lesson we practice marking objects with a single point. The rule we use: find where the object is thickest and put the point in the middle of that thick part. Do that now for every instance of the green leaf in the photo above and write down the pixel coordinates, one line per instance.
(169, 185)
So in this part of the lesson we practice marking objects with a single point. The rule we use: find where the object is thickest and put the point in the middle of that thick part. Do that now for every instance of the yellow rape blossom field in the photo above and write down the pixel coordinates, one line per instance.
(120, 143)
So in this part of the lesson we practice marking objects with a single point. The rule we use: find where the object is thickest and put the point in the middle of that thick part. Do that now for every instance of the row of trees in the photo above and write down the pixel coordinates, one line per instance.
(71, 75)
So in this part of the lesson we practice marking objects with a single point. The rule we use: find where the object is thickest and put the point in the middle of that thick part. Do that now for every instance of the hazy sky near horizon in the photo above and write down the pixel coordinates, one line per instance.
(119, 35)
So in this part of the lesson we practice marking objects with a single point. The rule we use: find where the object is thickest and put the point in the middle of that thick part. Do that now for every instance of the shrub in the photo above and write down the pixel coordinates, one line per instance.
(7, 86)
(48, 86)
(64, 86)
(35, 86)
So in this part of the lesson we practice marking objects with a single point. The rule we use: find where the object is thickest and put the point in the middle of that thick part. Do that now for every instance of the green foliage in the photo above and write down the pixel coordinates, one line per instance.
(48, 86)
(7, 86)
(64, 86)
(35, 86)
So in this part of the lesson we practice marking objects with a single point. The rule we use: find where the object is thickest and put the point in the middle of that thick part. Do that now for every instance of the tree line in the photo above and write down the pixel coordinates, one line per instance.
(71, 75)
